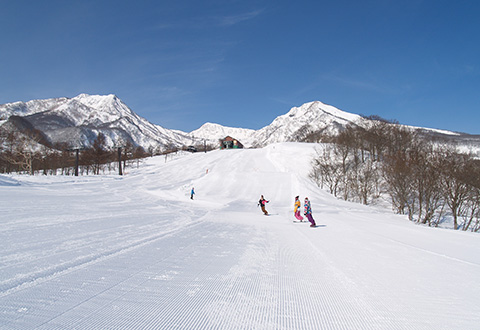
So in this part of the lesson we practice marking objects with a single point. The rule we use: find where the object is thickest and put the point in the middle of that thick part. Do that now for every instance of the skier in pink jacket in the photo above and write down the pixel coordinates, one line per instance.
(296, 210)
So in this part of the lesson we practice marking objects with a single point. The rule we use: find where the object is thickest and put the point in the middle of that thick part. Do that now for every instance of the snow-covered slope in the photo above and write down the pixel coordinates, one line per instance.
(28, 108)
(134, 252)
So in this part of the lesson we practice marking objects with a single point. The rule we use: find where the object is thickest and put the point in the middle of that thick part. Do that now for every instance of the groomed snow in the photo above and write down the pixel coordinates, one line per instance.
(134, 252)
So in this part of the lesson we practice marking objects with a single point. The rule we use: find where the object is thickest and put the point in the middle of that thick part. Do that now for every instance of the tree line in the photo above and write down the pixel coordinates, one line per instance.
(25, 153)
(28, 151)
(424, 180)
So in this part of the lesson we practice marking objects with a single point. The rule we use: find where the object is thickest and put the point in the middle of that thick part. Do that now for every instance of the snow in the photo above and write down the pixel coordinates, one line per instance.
(213, 132)
(134, 252)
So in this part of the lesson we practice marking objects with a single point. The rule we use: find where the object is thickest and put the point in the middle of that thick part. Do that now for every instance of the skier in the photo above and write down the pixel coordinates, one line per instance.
(308, 212)
(192, 193)
(262, 203)
(296, 211)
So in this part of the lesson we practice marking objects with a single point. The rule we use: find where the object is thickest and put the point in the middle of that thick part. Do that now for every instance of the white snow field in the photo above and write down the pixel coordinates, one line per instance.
(135, 252)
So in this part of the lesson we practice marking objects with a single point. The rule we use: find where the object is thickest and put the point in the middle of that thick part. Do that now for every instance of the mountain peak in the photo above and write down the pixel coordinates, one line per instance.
(96, 96)
(317, 108)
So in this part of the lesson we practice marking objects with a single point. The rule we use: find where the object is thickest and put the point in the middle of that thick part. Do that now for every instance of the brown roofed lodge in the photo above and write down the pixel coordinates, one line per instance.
(230, 143)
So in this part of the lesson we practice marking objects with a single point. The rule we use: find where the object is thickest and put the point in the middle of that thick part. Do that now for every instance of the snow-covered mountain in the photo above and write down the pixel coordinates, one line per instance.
(28, 108)
(312, 116)
(319, 117)
(77, 121)
(213, 132)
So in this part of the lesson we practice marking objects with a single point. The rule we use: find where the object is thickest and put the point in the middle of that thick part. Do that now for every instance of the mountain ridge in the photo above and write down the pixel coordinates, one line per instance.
(78, 120)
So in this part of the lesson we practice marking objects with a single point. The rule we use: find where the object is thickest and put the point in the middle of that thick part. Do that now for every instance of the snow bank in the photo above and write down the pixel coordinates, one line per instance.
(135, 252)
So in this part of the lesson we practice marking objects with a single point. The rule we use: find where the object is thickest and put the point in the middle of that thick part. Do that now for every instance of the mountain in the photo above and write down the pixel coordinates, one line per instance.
(310, 117)
(78, 121)
(319, 117)
(290, 127)
(213, 132)
(23, 109)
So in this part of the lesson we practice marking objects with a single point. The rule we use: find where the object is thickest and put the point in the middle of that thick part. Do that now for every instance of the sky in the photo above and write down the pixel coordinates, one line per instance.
(183, 63)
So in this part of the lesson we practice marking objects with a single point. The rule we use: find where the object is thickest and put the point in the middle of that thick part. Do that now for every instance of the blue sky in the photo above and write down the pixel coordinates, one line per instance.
(242, 63)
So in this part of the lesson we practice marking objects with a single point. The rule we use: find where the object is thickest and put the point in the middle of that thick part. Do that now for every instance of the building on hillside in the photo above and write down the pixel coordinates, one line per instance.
(230, 143)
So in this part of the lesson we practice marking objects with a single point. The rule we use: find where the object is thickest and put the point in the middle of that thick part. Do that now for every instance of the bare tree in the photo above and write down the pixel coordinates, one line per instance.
(423, 181)
(398, 176)
(97, 155)
(22, 153)
(326, 170)
(455, 180)
(366, 181)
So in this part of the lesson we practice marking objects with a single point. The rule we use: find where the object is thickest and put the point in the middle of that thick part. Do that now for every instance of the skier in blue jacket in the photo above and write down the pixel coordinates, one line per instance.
(308, 212)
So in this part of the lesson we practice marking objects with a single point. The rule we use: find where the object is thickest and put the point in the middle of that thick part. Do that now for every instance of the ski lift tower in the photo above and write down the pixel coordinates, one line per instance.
(77, 151)
(119, 147)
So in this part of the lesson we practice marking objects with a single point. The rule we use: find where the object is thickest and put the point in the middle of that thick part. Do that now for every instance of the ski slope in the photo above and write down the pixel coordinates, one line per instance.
(134, 252)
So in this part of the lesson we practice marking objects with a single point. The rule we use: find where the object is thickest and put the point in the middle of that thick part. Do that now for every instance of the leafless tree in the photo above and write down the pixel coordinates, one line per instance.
(22, 152)
(398, 176)
(326, 170)
(455, 181)
(97, 155)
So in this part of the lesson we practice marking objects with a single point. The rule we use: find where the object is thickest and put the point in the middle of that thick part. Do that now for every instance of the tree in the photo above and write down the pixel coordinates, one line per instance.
(326, 170)
(97, 155)
(22, 152)
(455, 180)
(398, 176)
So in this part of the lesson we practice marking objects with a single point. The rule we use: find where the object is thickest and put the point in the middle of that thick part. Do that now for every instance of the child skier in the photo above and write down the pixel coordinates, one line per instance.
(308, 212)
(297, 206)
(262, 202)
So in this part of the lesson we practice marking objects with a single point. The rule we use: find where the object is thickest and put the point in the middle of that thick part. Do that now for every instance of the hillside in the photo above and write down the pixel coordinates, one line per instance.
(134, 252)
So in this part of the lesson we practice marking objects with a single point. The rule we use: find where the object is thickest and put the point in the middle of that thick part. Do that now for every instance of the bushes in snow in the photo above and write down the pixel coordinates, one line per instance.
(423, 181)
(24, 154)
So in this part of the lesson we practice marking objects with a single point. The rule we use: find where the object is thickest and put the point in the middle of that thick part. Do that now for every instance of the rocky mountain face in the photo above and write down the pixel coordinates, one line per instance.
(77, 121)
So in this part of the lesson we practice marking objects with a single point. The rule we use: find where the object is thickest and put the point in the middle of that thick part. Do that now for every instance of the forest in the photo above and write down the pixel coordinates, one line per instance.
(378, 159)
(25, 153)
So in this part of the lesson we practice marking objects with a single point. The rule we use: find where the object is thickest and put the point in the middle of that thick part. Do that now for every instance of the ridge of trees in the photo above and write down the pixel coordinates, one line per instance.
(423, 179)
(26, 152)
(23, 149)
